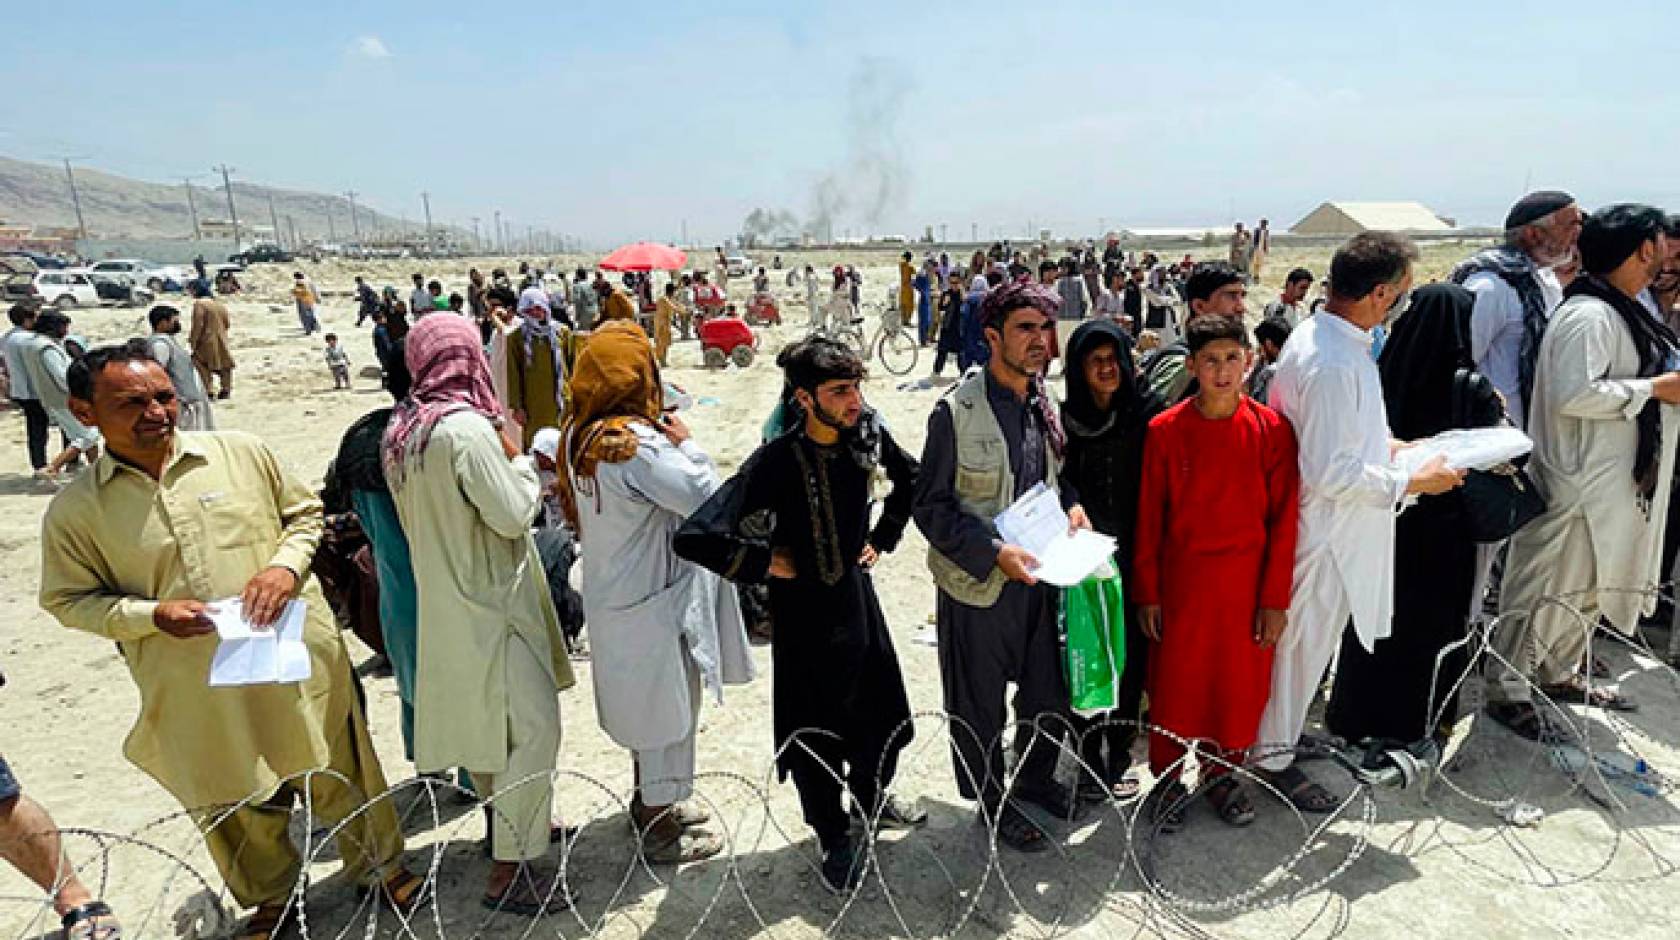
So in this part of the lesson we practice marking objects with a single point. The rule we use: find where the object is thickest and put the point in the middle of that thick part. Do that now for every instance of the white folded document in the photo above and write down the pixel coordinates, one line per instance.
(250, 655)
(1037, 523)
(1467, 449)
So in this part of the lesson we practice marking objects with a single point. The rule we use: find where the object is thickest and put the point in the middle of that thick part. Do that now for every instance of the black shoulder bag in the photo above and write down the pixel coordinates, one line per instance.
(1502, 499)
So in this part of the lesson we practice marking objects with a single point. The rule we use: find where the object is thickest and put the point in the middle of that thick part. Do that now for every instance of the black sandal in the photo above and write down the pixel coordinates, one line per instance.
(1301, 791)
(1231, 801)
(1018, 832)
(1167, 803)
(1524, 721)
(529, 903)
(91, 921)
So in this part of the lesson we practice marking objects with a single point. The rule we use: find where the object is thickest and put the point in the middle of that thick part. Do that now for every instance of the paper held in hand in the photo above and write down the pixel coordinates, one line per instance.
(1466, 449)
(250, 655)
(1037, 523)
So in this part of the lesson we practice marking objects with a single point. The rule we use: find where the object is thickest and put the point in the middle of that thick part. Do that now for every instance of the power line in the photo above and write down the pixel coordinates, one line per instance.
(75, 198)
(192, 207)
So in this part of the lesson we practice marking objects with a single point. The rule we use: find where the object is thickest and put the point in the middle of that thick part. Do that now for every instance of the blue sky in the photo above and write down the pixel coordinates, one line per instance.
(619, 120)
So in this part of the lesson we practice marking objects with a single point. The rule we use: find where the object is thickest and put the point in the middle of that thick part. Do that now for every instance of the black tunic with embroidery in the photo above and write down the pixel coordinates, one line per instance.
(832, 656)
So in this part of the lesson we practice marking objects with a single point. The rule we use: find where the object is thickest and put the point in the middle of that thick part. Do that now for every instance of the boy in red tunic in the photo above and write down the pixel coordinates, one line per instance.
(1214, 557)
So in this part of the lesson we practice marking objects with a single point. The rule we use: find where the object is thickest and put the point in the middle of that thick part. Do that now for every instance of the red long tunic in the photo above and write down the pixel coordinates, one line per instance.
(1215, 543)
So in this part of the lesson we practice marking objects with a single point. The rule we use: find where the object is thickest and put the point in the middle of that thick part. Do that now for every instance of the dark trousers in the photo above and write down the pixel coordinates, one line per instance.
(1106, 749)
(36, 424)
(817, 775)
(980, 652)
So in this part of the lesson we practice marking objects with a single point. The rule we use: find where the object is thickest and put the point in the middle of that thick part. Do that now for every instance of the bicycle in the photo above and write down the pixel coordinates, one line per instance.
(892, 344)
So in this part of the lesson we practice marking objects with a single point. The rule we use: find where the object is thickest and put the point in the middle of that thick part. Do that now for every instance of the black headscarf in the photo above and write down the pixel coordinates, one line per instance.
(1655, 341)
(1428, 345)
(1131, 403)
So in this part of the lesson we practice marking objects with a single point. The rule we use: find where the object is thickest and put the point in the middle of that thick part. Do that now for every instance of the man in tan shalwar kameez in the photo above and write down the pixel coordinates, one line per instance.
(491, 656)
(133, 551)
(208, 338)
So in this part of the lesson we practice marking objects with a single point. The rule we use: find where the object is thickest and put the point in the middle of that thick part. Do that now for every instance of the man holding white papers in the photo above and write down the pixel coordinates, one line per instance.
(993, 437)
(1328, 387)
(134, 551)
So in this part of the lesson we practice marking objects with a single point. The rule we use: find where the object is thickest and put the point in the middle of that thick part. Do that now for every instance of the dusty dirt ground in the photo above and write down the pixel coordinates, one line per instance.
(1417, 863)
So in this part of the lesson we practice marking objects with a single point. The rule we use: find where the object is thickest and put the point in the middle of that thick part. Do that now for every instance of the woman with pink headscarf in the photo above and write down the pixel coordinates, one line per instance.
(491, 659)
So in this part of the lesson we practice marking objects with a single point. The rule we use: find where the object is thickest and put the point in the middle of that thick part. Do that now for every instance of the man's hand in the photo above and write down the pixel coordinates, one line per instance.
(1017, 564)
(1077, 519)
(1435, 477)
(1149, 619)
(675, 430)
(266, 594)
(183, 619)
(1269, 626)
(869, 557)
(781, 564)
(1666, 388)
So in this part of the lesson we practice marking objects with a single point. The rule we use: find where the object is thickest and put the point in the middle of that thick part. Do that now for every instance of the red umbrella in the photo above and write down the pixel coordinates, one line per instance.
(645, 256)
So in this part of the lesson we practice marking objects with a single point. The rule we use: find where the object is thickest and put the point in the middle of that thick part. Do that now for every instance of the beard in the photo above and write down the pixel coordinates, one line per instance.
(830, 420)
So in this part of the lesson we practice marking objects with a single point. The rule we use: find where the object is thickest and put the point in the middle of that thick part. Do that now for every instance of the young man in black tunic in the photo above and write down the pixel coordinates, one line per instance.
(798, 516)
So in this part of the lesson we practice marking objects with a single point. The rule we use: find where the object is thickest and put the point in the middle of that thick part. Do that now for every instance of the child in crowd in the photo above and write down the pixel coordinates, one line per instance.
(1213, 562)
(1270, 334)
(339, 361)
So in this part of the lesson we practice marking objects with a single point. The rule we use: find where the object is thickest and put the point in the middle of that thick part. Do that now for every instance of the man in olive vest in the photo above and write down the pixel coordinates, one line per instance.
(990, 439)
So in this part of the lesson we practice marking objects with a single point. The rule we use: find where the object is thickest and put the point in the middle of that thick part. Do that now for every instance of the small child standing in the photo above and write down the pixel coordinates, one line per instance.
(339, 361)
(1212, 568)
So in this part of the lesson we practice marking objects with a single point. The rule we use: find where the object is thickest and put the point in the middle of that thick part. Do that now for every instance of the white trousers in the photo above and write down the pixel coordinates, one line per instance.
(667, 773)
(1318, 613)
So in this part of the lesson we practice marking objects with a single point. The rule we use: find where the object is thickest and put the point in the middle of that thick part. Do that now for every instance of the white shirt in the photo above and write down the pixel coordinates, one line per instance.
(1328, 387)
(16, 339)
(1288, 313)
(419, 302)
(1496, 332)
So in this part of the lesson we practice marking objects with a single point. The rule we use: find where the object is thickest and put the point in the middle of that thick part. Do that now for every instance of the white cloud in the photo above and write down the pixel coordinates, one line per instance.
(372, 47)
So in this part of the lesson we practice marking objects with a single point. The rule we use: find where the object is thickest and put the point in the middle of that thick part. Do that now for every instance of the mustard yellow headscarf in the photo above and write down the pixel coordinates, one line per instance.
(614, 385)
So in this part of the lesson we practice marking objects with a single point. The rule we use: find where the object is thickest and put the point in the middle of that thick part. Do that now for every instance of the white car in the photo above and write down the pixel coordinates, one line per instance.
(66, 288)
(140, 273)
(738, 265)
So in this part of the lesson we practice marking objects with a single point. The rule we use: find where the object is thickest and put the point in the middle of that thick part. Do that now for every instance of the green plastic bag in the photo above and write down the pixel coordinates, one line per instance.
(1093, 627)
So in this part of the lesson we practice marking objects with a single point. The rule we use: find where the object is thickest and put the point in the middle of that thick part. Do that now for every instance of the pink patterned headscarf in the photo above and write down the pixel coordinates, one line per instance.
(450, 375)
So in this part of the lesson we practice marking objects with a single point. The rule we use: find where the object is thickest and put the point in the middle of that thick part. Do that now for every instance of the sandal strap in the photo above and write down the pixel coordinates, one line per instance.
(85, 912)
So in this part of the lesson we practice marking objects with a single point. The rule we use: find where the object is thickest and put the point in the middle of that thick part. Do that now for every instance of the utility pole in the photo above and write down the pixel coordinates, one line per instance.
(942, 228)
(974, 232)
(426, 202)
(476, 245)
(332, 235)
(192, 207)
(291, 225)
(273, 218)
(75, 198)
(355, 226)
(500, 244)
(233, 214)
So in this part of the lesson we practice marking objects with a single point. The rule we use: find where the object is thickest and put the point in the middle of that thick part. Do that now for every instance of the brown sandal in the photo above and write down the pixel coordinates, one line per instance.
(269, 922)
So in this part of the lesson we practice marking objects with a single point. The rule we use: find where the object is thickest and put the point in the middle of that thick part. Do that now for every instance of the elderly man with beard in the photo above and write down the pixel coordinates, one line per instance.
(1604, 426)
(841, 712)
(1516, 292)
(136, 551)
(994, 436)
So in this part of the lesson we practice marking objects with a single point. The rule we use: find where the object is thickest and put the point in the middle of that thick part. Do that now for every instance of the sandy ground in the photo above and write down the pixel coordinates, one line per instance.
(1417, 864)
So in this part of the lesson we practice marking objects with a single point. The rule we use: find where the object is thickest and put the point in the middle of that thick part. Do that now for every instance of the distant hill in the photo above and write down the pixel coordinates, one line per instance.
(118, 207)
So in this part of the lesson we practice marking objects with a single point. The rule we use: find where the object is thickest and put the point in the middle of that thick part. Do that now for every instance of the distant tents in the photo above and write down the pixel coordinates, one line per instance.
(1351, 218)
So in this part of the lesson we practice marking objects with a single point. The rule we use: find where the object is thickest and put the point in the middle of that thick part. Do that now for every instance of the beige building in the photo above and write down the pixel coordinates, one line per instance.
(1351, 218)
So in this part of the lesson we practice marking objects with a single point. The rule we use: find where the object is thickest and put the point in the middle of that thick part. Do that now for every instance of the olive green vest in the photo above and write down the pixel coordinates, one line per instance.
(985, 485)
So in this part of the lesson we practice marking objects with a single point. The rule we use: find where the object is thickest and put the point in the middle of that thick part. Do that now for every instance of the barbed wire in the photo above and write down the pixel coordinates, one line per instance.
(1600, 758)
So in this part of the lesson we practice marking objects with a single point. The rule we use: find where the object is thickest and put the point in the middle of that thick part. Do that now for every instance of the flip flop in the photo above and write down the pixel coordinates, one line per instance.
(531, 904)
(1595, 696)
(689, 845)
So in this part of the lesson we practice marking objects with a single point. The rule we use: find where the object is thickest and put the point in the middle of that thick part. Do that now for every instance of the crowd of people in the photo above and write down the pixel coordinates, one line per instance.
(1249, 469)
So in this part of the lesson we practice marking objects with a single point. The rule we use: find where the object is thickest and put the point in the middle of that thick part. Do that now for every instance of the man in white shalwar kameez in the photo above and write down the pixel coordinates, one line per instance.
(661, 629)
(1327, 385)
(1604, 425)
(503, 322)
(491, 658)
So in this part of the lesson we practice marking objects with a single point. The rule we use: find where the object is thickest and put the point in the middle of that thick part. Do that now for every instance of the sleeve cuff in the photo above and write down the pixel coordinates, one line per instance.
(292, 559)
(132, 620)
(1639, 392)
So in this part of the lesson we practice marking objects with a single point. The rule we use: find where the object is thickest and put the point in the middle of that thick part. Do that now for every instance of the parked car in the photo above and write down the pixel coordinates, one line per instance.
(154, 277)
(738, 265)
(260, 253)
(67, 288)
(17, 279)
